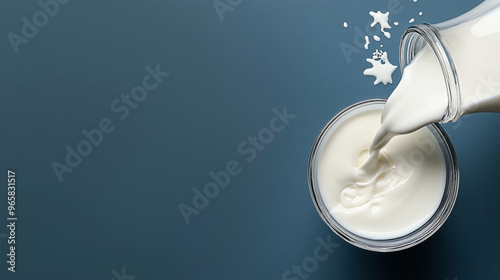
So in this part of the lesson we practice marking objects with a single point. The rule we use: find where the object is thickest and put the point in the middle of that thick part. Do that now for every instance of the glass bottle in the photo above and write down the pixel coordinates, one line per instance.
(467, 48)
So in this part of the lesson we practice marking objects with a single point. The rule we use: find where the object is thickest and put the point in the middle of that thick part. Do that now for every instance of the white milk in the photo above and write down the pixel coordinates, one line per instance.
(380, 186)
(382, 68)
(398, 197)
(421, 96)
(382, 20)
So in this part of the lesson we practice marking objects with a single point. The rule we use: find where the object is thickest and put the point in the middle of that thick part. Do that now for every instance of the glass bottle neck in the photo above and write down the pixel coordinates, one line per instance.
(413, 41)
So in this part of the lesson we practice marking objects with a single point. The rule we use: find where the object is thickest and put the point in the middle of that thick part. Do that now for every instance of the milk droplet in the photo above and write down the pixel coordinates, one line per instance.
(345, 24)
(420, 13)
(411, 20)
(367, 42)
(376, 38)
(396, 23)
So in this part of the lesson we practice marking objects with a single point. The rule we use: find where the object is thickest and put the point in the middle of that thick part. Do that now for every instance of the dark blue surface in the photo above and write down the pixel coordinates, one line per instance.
(119, 207)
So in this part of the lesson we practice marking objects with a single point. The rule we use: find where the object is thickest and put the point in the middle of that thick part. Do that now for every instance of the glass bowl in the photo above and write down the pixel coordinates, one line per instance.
(398, 243)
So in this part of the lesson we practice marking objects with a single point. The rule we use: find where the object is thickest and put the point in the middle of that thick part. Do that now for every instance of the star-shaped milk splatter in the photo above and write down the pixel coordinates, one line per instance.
(382, 69)
(383, 20)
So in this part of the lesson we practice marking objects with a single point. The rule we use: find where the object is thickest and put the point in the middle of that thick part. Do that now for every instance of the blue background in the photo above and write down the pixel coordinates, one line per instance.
(119, 207)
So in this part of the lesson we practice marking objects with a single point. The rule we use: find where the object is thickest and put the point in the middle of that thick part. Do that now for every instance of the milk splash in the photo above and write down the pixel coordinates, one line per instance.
(382, 20)
(367, 42)
(369, 189)
(382, 68)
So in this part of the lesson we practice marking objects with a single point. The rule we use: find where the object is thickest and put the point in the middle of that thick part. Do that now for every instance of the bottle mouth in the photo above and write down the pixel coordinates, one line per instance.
(413, 41)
